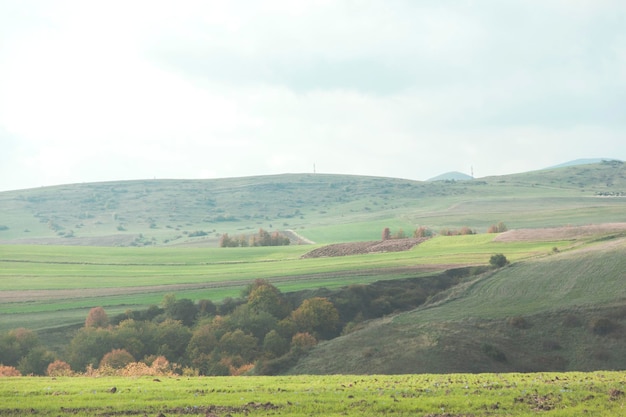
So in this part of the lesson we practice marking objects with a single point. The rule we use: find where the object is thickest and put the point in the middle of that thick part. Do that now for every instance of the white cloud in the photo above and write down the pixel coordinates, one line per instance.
(118, 90)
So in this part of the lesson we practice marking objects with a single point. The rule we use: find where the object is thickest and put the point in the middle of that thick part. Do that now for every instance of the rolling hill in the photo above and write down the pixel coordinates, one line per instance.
(323, 208)
(566, 311)
(559, 306)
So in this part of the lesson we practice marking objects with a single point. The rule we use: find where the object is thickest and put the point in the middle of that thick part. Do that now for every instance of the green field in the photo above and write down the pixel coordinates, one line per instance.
(553, 394)
(55, 285)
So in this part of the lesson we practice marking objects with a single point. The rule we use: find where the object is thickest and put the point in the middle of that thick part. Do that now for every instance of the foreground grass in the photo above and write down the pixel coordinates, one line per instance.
(557, 394)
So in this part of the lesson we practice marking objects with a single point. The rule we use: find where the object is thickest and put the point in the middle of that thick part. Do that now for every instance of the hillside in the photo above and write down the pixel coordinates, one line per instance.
(322, 208)
(562, 312)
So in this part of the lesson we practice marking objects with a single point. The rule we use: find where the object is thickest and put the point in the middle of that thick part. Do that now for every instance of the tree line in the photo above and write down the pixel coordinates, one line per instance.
(262, 238)
(263, 331)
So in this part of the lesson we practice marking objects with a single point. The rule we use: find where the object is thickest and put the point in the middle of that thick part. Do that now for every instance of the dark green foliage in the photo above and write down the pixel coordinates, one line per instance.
(36, 361)
(498, 260)
(183, 310)
(603, 326)
(518, 322)
(493, 352)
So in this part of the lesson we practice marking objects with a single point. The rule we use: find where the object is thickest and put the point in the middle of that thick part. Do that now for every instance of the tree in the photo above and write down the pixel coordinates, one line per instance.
(36, 361)
(184, 310)
(263, 296)
(238, 343)
(317, 316)
(497, 228)
(97, 317)
(88, 347)
(274, 345)
(386, 234)
(302, 342)
(207, 308)
(16, 344)
(498, 260)
(172, 338)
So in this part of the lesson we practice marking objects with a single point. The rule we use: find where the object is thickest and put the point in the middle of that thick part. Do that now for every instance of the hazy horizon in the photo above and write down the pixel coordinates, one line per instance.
(110, 91)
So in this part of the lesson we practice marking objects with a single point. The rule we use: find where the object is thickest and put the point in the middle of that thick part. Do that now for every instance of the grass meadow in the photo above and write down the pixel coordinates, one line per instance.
(51, 286)
(555, 394)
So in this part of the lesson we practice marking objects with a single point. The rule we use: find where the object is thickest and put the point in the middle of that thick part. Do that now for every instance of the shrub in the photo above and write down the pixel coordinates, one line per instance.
(497, 228)
(9, 371)
(603, 326)
(518, 322)
(498, 260)
(97, 317)
(302, 342)
(571, 320)
(117, 359)
(59, 368)
(493, 352)
(551, 344)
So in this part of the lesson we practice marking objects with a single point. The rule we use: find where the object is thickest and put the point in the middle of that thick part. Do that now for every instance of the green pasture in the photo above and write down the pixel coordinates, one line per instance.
(148, 274)
(555, 394)
(592, 275)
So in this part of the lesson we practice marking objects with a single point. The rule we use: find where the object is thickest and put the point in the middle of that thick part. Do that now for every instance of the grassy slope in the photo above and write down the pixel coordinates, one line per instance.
(559, 297)
(324, 208)
(209, 273)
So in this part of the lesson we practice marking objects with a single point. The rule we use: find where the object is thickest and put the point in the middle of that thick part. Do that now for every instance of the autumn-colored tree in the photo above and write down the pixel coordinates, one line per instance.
(497, 228)
(386, 234)
(97, 317)
(302, 342)
(422, 231)
(116, 359)
(317, 316)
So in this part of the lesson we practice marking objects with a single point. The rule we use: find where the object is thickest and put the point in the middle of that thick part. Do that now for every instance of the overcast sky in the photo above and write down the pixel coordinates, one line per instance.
(113, 90)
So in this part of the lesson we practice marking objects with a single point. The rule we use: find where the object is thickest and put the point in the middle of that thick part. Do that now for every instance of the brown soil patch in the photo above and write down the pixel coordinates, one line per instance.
(561, 233)
(360, 248)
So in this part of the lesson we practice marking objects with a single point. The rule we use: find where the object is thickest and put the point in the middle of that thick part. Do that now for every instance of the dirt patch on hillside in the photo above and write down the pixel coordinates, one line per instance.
(360, 248)
(561, 233)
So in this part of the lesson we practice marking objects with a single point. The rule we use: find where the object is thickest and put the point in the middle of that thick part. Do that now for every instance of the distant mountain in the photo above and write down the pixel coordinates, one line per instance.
(583, 161)
(451, 176)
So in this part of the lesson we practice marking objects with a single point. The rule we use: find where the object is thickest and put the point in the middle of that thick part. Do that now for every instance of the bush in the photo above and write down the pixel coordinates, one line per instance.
(9, 371)
(518, 322)
(59, 368)
(498, 260)
(571, 320)
(116, 359)
(603, 326)
(497, 228)
(493, 353)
